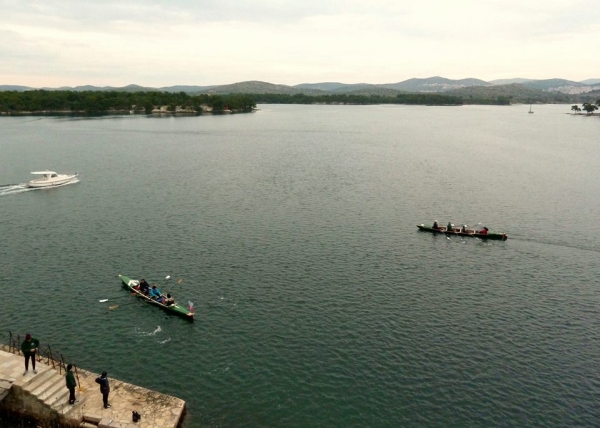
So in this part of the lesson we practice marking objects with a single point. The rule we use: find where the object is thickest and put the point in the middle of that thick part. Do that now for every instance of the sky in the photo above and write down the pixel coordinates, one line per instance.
(159, 43)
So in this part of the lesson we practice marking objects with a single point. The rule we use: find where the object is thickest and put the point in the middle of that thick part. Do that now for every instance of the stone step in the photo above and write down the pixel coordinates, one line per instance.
(30, 377)
(44, 386)
(88, 425)
(60, 394)
(93, 419)
(40, 379)
(55, 383)
(109, 423)
(64, 407)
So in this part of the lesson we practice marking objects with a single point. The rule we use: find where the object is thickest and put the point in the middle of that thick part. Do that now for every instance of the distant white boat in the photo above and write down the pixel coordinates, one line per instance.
(50, 178)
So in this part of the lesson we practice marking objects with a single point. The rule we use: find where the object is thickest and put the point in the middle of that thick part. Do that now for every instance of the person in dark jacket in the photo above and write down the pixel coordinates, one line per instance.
(29, 348)
(169, 300)
(71, 384)
(144, 287)
(104, 388)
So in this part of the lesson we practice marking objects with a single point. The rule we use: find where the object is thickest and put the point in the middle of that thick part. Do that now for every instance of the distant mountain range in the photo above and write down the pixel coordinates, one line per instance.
(518, 88)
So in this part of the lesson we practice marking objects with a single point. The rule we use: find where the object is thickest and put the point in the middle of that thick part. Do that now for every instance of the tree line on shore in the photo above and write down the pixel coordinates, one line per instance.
(103, 102)
(408, 98)
(99, 102)
(589, 108)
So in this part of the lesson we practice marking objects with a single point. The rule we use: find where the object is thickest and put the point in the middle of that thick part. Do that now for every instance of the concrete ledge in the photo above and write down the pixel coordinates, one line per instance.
(92, 418)
(106, 423)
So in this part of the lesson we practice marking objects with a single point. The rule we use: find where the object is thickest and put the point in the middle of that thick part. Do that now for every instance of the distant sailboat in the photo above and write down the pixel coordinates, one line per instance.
(530, 111)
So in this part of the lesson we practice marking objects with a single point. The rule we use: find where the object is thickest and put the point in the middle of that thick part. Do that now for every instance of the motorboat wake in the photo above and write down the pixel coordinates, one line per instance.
(13, 189)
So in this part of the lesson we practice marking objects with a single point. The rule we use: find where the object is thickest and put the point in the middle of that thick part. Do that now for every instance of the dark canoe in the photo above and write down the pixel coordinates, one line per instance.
(175, 309)
(471, 234)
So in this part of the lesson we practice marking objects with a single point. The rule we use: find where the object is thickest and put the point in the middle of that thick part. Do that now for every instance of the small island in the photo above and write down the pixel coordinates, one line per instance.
(120, 102)
(64, 102)
(589, 108)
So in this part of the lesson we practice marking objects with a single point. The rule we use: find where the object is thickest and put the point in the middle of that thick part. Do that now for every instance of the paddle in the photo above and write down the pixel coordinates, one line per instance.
(179, 281)
(109, 298)
(106, 300)
(123, 304)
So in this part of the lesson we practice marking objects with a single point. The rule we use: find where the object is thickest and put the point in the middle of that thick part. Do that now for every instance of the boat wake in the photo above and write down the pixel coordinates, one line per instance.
(152, 333)
(13, 189)
(147, 333)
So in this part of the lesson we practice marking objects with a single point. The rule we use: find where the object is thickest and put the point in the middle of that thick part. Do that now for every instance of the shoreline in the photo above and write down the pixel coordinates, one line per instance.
(122, 113)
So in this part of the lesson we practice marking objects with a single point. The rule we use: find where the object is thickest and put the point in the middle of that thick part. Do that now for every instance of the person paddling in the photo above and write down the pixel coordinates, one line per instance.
(144, 287)
(155, 292)
(169, 300)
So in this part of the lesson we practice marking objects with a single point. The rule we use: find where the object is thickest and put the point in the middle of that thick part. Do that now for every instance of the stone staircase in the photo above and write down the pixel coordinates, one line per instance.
(44, 394)
(47, 387)
(50, 389)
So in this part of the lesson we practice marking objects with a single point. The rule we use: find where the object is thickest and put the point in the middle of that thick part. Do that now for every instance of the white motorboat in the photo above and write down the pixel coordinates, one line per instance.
(50, 178)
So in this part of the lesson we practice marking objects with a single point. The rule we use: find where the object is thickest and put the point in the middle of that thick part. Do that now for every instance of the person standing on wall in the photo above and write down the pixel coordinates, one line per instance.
(104, 388)
(29, 348)
(71, 384)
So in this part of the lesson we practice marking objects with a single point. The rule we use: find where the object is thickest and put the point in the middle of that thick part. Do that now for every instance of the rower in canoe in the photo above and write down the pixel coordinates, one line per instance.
(484, 233)
(173, 307)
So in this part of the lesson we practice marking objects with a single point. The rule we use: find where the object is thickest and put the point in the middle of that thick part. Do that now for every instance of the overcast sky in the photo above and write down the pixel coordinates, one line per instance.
(208, 42)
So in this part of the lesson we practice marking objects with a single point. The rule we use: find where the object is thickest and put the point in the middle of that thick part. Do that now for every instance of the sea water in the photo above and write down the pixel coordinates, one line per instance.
(318, 302)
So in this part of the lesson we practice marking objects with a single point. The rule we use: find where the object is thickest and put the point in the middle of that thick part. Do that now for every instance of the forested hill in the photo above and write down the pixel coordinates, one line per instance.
(408, 98)
(513, 93)
(474, 91)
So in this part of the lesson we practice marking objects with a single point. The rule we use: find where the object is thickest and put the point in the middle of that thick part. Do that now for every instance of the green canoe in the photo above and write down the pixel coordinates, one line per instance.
(175, 309)
(470, 233)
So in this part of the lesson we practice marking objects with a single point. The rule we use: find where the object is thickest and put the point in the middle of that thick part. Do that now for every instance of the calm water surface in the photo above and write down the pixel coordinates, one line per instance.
(318, 302)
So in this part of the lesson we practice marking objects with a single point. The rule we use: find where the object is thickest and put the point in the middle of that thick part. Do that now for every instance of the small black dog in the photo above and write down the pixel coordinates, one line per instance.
(136, 416)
